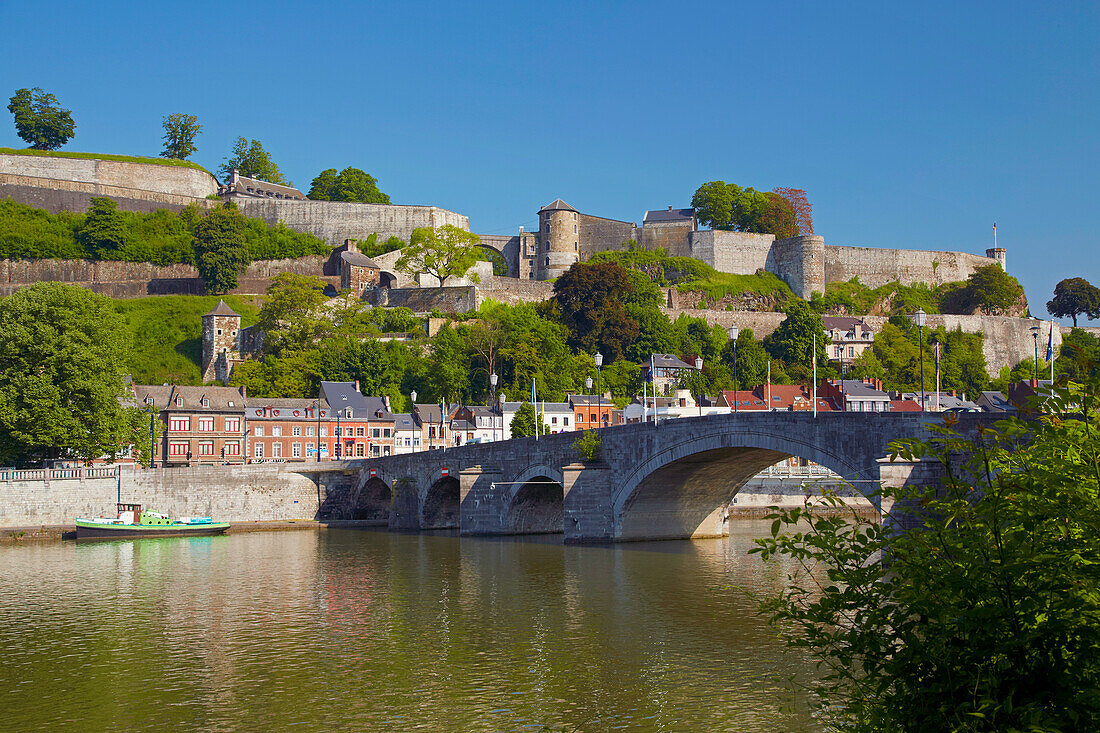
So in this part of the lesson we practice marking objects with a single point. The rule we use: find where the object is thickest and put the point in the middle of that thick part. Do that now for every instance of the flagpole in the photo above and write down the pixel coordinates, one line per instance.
(815, 375)
(769, 384)
(937, 376)
(1050, 351)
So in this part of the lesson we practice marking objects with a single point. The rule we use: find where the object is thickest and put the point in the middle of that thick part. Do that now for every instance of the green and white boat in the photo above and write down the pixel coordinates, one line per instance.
(133, 521)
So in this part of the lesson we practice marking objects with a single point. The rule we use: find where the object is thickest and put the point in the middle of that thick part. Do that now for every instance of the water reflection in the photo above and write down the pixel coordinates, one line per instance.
(375, 630)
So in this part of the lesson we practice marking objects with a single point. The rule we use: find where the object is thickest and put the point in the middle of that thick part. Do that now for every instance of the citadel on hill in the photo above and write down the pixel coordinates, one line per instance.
(564, 235)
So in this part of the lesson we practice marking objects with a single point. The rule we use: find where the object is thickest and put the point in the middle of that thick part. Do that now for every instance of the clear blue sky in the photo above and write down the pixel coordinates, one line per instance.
(909, 126)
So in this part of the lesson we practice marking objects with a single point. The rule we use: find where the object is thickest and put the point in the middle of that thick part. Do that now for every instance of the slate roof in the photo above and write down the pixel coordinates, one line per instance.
(668, 215)
(557, 205)
(282, 408)
(263, 188)
(219, 399)
(746, 399)
(993, 401)
(343, 395)
(667, 361)
(403, 421)
(358, 259)
(846, 323)
(859, 388)
(221, 309)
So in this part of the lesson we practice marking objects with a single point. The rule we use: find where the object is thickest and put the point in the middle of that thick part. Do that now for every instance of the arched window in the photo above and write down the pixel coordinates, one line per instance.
(547, 261)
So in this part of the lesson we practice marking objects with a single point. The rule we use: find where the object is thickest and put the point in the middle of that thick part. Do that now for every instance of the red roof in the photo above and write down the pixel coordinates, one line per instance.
(904, 406)
(746, 399)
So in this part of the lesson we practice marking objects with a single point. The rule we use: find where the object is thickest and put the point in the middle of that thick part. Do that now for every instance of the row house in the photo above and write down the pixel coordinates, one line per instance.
(590, 411)
(200, 424)
(287, 429)
(363, 425)
(849, 337)
(435, 428)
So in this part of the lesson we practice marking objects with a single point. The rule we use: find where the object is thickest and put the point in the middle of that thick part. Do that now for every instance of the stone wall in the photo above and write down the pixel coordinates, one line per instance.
(740, 253)
(252, 493)
(422, 300)
(1007, 340)
(68, 183)
(335, 221)
(514, 290)
(875, 267)
(139, 279)
(673, 237)
(598, 234)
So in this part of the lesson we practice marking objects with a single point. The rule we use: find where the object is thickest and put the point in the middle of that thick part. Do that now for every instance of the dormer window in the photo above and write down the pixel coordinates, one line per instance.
(179, 401)
(205, 402)
(347, 412)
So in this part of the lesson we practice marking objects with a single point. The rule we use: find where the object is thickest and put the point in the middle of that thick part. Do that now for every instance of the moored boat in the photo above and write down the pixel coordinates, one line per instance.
(133, 521)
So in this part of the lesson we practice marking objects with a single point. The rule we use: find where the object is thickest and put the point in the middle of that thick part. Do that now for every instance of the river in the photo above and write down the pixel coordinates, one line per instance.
(370, 630)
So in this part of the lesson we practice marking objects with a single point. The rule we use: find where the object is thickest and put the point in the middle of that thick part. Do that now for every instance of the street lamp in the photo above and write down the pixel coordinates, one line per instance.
(412, 411)
(1035, 337)
(699, 368)
(732, 332)
(599, 389)
(500, 399)
(919, 318)
(588, 385)
(318, 428)
(152, 433)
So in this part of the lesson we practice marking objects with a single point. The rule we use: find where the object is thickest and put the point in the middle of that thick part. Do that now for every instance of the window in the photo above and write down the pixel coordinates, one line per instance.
(851, 351)
(553, 421)
(375, 433)
(374, 451)
(565, 421)
(259, 431)
(385, 450)
(276, 430)
(206, 425)
(359, 449)
(232, 448)
(232, 425)
(547, 261)
(177, 448)
(206, 447)
(574, 228)
(309, 449)
(205, 402)
(416, 442)
(179, 401)
(324, 431)
(309, 430)
(276, 449)
(258, 449)
(347, 413)
(179, 424)
(361, 432)
(547, 247)
(219, 332)
(296, 450)
(385, 432)
(296, 430)
(592, 417)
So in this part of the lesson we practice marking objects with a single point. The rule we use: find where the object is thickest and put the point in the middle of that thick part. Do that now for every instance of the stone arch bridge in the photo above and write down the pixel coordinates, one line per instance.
(666, 482)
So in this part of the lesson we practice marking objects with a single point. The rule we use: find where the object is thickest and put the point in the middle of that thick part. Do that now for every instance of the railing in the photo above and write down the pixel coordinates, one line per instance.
(58, 474)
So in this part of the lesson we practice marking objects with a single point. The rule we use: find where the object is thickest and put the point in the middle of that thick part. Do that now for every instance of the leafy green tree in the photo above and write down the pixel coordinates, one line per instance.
(1073, 297)
(727, 206)
(523, 423)
(590, 297)
(350, 184)
(250, 158)
(63, 352)
(291, 315)
(1080, 351)
(39, 120)
(985, 616)
(714, 204)
(442, 252)
(220, 251)
(989, 289)
(180, 131)
(793, 342)
(292, 374)
(106, 234)
(752, 360)
(448, 366)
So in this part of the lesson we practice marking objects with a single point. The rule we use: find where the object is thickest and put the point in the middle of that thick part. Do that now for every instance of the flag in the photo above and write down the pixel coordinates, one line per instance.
(1050, 341)
(532, 390)
(937, 352)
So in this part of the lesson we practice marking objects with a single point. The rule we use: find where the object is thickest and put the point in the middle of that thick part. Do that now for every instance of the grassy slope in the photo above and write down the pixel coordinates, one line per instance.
(721, 284)
(167, 334)
(102, 156)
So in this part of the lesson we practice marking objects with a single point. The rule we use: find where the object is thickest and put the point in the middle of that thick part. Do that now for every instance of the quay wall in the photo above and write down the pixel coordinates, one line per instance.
(251, 493)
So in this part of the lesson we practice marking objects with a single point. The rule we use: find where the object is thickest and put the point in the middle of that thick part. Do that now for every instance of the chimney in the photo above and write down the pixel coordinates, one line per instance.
(670, 208)
(1034, 383)
(244, 391)
(350, 245)
(234, 177)
(356, 385)
(386, 402)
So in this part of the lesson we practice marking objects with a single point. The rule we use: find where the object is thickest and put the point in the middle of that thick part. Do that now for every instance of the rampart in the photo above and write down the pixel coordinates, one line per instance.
(335, 221)
(875, 267)
(139, 279)
(68, 184)
(596, 234)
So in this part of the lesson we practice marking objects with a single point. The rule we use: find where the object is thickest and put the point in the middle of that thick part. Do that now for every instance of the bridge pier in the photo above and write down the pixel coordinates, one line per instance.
(482, 504)
(587, 502)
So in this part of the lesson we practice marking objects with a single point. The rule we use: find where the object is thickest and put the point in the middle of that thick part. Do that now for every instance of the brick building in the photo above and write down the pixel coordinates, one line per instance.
(200, 424)
(287, 429)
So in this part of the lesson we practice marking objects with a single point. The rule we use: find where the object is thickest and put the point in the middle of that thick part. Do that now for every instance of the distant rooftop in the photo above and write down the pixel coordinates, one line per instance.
(557, 205)
(668, 215)
(221, 309)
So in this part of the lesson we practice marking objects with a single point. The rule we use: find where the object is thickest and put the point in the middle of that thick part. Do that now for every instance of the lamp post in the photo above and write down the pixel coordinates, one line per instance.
(500, 400)
(919, 319)
(338, 436)
(412, 411)
(492, 394)
(699, 368)
(152, 434)
(588, 385)
(599, 389)
(318, 428)
(732, 332)
(1035, 338)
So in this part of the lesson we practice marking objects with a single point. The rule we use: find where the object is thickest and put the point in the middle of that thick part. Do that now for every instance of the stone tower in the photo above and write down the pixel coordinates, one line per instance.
(221, 329)
(998, 253)
(558, 240)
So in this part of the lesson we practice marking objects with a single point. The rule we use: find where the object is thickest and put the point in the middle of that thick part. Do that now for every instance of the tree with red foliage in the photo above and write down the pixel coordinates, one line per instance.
(803, 212)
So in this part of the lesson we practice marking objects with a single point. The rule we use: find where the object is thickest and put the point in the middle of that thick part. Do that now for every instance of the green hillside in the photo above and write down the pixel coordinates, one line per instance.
(167, 334)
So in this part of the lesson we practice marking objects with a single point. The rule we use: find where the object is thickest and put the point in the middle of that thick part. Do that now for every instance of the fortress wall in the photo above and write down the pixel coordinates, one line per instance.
(875, 267)
(740, 253)
(598, 234)
(1008, 340)
(675, 237)
(800, 262)
(513, 290)
(335, 221)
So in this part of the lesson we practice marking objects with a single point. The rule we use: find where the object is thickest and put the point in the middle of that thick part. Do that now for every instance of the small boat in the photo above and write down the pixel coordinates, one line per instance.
(133, 521)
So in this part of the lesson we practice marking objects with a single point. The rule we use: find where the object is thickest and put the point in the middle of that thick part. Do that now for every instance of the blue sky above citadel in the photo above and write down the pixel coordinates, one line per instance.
(908, 127)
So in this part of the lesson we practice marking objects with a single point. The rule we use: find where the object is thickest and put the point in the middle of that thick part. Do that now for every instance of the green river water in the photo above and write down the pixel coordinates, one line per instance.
(375, 631)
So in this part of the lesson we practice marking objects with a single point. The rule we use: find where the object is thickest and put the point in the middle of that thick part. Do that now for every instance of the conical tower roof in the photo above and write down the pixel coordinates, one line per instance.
(221, 309)
(557, 205)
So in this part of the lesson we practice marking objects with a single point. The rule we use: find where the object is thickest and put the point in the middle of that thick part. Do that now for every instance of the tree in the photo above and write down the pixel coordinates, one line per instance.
(752, 360)
(350, 184)
(714, 204)
(220, 251)
(803, 212)
(39, 120)
(180, 131)
(981, 617)
(989, 289)
(523, 424)
(250, 158)
(793, 341)
(105, 233)
(777, 217)
(290, 316)
(63, 353)
(1075, 296)
(727, 206)
(442, 252)
(592, 299)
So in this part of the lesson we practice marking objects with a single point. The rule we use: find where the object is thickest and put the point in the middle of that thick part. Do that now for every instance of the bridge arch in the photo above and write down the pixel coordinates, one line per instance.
(440, 507)
(536, 502)
(683, 490)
